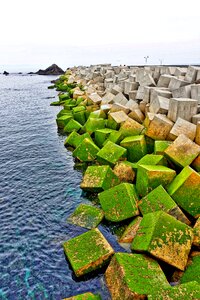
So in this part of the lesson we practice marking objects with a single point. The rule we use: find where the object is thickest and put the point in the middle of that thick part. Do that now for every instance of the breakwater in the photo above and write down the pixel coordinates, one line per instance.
(136, 131)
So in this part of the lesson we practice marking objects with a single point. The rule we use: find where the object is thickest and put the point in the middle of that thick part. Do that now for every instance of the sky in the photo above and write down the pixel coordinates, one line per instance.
(37, 33)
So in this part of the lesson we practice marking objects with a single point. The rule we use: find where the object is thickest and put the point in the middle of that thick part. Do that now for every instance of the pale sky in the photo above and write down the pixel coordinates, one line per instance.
(36, 33)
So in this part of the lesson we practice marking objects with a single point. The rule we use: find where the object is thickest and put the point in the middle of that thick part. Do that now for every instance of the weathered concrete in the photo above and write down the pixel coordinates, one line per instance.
(182, 107)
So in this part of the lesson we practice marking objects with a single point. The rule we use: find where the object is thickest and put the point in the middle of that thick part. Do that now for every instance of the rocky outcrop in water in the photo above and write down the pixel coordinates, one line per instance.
(5, 73)
(52, 70)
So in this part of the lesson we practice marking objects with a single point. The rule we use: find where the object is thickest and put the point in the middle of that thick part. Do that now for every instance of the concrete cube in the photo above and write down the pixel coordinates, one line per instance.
(195, 92)
(182, 151)
(176, 83)
(120, 98)
(159, 105)
(136, 147)
(159, 127)
(182, 127)
(99, 178)
(160, 146)
(164, 80)
(130, 127)
(182, 92)
(151, 176)
(182, 107)
(196, 228)
(116, 118)
(111, 153)
(191, 74)
(137, 115)
(185, 190)
(92, 248)
(165, 238)
(120, 202)
(86, 150)
(131, 230)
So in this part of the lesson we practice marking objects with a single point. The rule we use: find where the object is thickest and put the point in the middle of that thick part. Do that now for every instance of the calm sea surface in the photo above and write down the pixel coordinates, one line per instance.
(39, 188)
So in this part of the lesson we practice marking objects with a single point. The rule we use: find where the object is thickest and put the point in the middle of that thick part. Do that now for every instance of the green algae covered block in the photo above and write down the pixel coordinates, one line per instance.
(182, 151)
(115, 119)
(72, 125)
(101, 135)
(64, 112)
(64, 96)
(134, 276)
(120, 202)
(164, 237)
(150, 144)
(85, 296)
(196, 163)
(149, 177)
(185, 190)
(78, 109)
(74, 139)
(136, 147)
(186, 291)
(130, 128)
(99, 178)
(63, 120)
(80, 117)
(114, 137)
(159, 199)
(111, 153)
(161, 146)
(86, 150)
(98, 114)
(152, 159)
(196, 241)
(56, 103)
(88, 252)
(86, 216)
(131, 231)
(93, 124)
(192, 272)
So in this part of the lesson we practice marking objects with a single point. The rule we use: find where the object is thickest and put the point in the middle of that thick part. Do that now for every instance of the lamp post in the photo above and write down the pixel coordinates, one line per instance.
(146, 59)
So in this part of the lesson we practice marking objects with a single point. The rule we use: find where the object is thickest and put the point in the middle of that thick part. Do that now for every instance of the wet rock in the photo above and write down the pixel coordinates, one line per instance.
(5, 73)
(88, 252)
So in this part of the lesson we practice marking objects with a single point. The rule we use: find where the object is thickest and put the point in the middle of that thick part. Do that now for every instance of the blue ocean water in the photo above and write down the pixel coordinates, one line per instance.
(39, 188)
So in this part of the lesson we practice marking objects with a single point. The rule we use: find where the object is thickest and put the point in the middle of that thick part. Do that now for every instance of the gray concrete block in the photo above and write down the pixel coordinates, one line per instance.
(176, 83)
(120, 98)
(195, 92)
(182, 107)
(159, 105)
(182, 92)
(164, 80)
(182, 127)
(191, 74)
(196, 119)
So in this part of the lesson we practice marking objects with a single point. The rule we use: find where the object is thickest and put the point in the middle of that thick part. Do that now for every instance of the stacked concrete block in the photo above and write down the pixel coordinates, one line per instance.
(159, 105)
(196, 119)
(182, 127)
(164, 80)
(130, 86)
(191, 74)
(116, 89)
(120, 98)
(182, 92)
(140, 93)
(132, 95)
(108, 98)
(159, 127)
(195, 92)
(184, 108)
(176, 83)
(147, 80)
(197, 138)
(131, 104)
(160, 92)
(180, 71)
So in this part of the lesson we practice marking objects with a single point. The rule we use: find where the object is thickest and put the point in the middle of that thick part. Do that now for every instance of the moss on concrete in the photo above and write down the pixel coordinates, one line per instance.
(101, 135)
(86, 150)
(192, 272)
(161, 146)
(111, 154)
(131, 231)
(72, 125)
(63, 120)
(136, 147)
(130, 128)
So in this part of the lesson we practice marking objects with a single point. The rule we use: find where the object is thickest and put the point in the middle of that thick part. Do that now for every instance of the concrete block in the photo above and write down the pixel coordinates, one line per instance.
(164, 80)
(120, 202)
(72, 125)
(120, 98)
(131, 230)
(131, 104)
(159, 199)
(182, 107)
(124, 172)
(101, 135)
(74, 139)
(98, 179)
(107, 98)
(182, 92)
(159, 127)
(160, 92)
(130, 86)
(130, 128)
(165, 238)
(159, 105)
(191, 74)
(180, 71)
(197, 138)
(184, 189)
(182, 127)
(175, 83)
(148, 119)
(86, 216)
(196, 119)
(182, 151)
(137, 115)
(136, 147)
(196, 163)
(116, 89)
(192, 271)
(111, 153)
(94, 97)
(160, 146)
(86, 150)
(94, 124)
(116, 118)
(147, 80)
(132, 95)
(152, 159)
(196, 228)
(123, 281)
(119, 107)
(93, 249)
(140, 93)
(195, 92)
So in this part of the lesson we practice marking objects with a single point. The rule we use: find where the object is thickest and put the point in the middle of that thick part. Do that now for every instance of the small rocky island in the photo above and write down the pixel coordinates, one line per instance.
(52, 70)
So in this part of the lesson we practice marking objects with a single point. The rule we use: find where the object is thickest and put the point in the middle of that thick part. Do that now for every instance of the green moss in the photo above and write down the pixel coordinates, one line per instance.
(114, 137)
(88, 252)
(149, 177)
(72, 125)
(86, 216)
(86, 150)
(120, 202)
(93, 124)
(64, 112)
(192, 273)
(165, 238)
(136, 147)
(161, 146)
(99, 178)
(111, 153)
(101, 135)
(80, 117)
(134, 276)
(130, 128)
(71, 139)
(64, 96)
(63, 120)
(152, 159)
(78, 109)
(184, 189)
